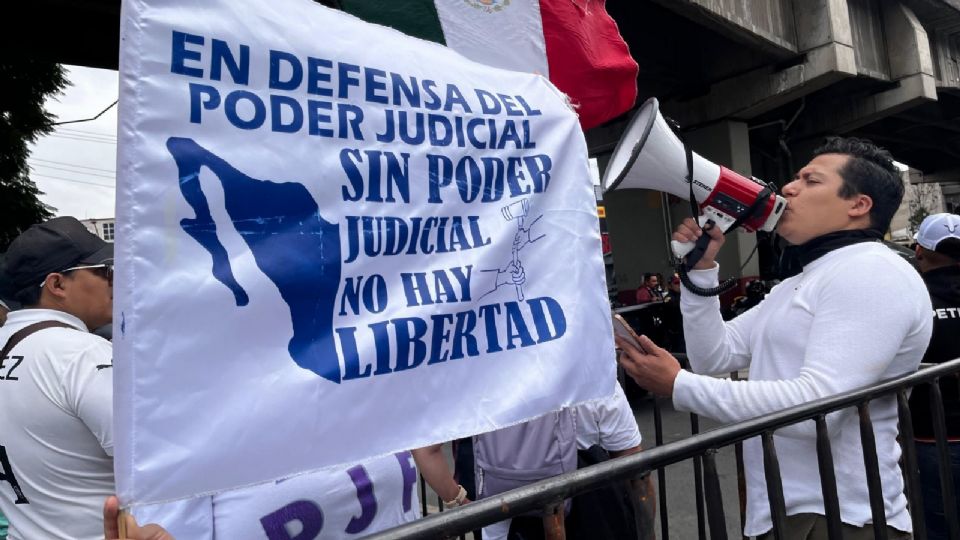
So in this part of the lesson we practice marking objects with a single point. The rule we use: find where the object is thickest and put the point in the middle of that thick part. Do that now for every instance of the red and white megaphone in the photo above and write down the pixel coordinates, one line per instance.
(650, 156)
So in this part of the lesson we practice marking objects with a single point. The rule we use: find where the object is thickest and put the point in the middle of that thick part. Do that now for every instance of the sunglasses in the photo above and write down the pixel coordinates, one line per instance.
(104, 270)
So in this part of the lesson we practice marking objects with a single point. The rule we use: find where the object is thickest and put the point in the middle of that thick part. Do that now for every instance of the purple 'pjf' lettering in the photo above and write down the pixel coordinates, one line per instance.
(409, 471)
(368, 502)
(306, 512)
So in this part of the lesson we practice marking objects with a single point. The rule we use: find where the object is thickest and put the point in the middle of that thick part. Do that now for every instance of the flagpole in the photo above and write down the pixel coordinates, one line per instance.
(122, 523)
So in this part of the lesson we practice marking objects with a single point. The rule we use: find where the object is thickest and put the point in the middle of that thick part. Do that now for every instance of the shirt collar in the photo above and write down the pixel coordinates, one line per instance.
(24, 317)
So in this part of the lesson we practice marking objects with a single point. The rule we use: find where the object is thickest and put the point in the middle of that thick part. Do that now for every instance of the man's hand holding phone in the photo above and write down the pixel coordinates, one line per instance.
(652, 367)
(622, 330)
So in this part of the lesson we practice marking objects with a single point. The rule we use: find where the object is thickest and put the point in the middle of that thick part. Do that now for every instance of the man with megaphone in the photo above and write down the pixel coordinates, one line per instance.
(857, 314)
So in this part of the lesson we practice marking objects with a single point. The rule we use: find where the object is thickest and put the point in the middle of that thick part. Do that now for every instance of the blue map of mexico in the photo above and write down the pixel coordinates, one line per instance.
(300, 252)
(291, 242)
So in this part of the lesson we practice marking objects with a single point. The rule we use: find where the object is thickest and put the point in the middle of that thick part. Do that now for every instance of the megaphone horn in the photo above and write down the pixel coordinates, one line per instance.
(649, 155)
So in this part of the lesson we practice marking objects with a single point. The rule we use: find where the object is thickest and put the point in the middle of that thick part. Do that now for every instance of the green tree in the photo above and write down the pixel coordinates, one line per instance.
(25, 84)
(924, 199)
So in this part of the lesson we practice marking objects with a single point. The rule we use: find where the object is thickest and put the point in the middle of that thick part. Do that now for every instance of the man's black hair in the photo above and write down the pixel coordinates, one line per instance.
(950, 247)
(29, 297)
(647, 276)
(871, 172)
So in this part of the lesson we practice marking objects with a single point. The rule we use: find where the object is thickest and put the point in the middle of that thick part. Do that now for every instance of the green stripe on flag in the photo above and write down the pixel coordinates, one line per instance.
(417, 18)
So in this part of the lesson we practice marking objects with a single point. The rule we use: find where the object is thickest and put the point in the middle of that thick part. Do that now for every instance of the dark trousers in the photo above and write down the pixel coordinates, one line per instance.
(928, 462)
(814, 527)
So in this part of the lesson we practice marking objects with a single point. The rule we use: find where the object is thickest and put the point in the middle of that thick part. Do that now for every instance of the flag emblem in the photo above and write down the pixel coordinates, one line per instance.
(488, 6)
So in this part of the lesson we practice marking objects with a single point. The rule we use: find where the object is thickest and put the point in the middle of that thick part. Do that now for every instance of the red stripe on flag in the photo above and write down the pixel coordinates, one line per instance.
(588, 59)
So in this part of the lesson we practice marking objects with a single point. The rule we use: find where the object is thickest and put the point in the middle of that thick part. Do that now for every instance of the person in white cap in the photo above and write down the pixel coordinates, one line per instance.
(56, 385)
(938, 257)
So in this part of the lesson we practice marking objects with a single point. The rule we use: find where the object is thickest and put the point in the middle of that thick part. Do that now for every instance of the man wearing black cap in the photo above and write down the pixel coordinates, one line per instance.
(938, 256)
(56, 436)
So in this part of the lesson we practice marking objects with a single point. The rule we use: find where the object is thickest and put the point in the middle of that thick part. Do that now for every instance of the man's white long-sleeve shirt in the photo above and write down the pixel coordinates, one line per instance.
(855, 316)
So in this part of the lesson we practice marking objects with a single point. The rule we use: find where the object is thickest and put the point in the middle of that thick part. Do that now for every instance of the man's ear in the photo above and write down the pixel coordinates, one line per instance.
(860, 205)
(55, 285)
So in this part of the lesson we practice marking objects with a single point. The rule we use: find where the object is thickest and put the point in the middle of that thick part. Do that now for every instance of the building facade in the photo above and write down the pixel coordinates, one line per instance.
(104, 228)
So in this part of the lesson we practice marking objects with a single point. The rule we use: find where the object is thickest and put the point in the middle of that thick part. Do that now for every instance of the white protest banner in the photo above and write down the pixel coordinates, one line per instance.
(337, 503)
(336, 242)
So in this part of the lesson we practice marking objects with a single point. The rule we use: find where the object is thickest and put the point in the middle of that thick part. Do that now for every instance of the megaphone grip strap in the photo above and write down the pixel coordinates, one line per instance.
(694, 205)
(699, 248)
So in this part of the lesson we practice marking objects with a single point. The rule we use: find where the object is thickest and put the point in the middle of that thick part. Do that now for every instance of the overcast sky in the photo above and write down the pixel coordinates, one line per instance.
(75, 165)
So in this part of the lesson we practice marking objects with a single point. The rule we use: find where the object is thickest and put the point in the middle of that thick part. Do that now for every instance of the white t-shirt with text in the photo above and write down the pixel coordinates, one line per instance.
(56, 432)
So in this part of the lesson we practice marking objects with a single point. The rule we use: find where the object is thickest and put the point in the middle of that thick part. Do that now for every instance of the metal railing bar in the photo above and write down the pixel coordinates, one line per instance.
(871, 465)
(698, 497)
(948, 493)
(741, 474)
(828, 480)
(661, 472)
(564, 486)
(741, 486)
(423, 496)
(698, 483)
(771, 469)
(715, 515)
(554, 527)
(911, 470)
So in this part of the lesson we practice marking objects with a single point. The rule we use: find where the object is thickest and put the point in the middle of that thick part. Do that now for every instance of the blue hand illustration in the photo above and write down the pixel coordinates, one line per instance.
(512, 274)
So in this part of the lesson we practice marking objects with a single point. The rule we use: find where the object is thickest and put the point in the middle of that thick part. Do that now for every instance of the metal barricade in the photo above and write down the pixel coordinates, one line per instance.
(547, 495)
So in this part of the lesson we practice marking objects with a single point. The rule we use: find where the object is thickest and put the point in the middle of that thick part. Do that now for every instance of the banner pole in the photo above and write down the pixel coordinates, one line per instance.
(122, 523)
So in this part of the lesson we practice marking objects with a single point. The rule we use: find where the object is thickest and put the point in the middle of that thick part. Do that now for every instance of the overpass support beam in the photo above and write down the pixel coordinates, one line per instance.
(911, 70)
(826, 55)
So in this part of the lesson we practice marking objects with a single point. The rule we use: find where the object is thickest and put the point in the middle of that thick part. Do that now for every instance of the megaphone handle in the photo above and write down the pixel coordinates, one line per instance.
(694, 250)
(699, 248)
(680, 249)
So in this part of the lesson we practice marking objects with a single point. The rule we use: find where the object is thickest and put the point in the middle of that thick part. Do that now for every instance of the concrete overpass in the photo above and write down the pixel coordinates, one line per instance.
(757, 84)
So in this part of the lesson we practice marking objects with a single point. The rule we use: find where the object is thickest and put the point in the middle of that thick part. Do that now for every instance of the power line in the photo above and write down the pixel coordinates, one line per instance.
(65, 169)
(72, 180)
(112, 171)
(87, 119)
(88, 135)
(85, 139)
(82, 132)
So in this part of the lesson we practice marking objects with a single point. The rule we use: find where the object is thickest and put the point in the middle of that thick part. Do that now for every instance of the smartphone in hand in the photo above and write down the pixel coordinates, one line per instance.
(623, 330)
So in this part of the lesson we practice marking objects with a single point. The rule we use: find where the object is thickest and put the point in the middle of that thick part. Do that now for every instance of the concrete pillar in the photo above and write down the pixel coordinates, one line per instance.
(639, 238)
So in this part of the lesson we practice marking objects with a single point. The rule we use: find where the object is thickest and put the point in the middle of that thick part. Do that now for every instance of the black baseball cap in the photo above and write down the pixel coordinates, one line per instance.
(6, 288)
(53, 246)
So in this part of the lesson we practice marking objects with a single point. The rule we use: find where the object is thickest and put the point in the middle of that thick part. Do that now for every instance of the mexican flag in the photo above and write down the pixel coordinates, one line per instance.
(574, 43)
